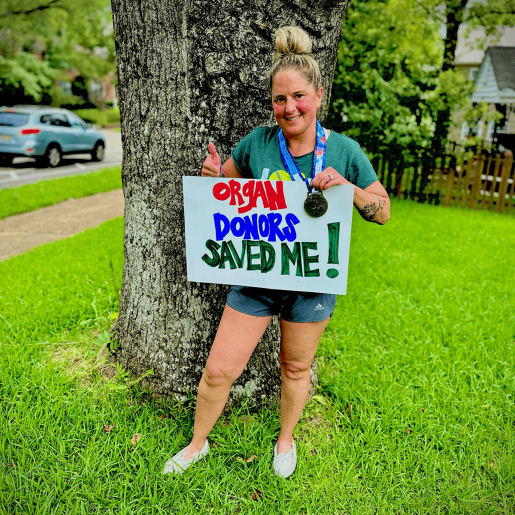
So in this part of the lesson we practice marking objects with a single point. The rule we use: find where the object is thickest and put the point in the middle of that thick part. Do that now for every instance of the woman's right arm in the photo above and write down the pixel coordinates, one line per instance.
(211, 166)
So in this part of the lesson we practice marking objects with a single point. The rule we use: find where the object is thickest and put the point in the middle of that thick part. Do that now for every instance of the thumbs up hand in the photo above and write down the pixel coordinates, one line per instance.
(211, 166)
(214, 154)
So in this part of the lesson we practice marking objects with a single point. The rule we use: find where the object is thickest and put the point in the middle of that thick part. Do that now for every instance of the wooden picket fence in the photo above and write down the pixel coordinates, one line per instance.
(481, 182)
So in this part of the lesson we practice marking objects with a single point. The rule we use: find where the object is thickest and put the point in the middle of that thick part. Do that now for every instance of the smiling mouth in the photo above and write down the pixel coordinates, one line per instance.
(292, 119)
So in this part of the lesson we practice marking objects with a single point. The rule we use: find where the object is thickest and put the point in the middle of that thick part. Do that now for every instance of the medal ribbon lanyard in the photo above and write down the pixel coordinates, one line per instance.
(318, 159)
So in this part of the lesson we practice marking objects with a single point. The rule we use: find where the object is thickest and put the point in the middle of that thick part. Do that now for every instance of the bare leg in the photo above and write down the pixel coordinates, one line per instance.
(298, 346)
(236, 339)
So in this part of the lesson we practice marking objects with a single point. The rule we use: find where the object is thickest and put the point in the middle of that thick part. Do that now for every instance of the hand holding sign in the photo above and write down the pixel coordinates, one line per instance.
(328, 178)
(211, 166)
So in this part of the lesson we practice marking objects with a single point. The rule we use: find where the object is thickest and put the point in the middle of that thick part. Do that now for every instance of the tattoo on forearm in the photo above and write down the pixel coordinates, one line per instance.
(369, 211)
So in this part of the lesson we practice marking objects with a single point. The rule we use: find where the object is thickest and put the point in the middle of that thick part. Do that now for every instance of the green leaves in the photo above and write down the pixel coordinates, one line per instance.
(481, 111)
(320, 398)
(42, 38)
(384, 78)
(26, 71)
(389, 87)
(103, 338)
(491, 15)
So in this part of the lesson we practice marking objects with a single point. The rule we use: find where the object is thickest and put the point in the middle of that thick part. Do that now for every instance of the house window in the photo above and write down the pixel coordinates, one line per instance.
(490, 131)
(96, 88)
(464, 130)
(473, 73)
(476, 130)
(503, 127)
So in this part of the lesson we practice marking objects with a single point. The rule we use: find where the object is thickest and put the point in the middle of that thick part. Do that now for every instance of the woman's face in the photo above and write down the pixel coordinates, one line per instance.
(295, 103)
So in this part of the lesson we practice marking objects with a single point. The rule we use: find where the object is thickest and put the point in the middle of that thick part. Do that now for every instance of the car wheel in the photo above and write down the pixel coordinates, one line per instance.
(98, 152)
(6, 160)
(52, 157)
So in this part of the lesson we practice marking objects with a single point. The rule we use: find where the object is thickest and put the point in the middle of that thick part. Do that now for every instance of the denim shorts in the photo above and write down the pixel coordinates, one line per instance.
(292, 306)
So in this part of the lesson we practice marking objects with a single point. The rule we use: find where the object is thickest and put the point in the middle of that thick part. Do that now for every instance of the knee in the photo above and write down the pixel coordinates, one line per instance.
(219, 376)
(296, 370)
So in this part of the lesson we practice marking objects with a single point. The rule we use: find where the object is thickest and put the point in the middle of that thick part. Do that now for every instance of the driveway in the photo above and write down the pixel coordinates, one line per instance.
(23, 171)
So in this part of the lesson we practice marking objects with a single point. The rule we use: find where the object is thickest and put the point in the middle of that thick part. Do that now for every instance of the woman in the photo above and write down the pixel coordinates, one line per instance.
(297, 145)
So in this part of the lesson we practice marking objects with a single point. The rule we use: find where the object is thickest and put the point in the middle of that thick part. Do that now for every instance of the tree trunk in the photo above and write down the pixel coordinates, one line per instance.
(454, 13)
(188, 73)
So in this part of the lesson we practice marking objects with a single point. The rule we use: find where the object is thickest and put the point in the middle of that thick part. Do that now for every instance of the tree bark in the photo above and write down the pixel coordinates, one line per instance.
(188, 73)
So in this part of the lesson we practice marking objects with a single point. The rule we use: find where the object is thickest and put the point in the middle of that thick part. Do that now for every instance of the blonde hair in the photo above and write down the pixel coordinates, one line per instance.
(293, 52)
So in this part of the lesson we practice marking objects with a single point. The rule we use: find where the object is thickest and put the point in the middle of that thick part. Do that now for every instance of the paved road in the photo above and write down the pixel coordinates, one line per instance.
(23, 171)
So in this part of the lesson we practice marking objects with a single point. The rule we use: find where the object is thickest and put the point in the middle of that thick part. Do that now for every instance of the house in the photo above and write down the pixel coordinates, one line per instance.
(492, 71)
(101, 92)
(495, 84)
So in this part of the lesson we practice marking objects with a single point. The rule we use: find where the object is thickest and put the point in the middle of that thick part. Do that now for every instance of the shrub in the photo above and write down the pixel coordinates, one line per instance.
(99, 117)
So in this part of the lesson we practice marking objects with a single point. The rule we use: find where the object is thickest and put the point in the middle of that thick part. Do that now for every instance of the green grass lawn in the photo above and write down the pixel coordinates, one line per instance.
(415, 412)
(30, 197)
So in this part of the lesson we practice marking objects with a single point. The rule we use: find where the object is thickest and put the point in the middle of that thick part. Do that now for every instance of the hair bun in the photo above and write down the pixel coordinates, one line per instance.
(291, 40)
(293, 52)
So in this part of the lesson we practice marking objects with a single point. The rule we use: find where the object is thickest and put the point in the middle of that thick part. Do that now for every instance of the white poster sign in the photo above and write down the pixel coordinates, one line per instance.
(256, 233)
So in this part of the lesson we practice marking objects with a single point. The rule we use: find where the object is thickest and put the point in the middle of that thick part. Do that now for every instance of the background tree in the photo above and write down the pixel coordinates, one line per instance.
(189, 73)
(395, 85)
(388, 84)
(41, 39)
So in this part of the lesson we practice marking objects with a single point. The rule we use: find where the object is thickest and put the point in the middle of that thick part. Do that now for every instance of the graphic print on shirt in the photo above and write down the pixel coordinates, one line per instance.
(280, 175)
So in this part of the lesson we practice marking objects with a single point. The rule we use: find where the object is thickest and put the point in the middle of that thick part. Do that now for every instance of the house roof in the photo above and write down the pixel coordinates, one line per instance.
(503, 62)
(495, 81)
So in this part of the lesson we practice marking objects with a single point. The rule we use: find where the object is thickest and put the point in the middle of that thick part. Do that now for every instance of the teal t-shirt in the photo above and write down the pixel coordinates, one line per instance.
(257, 156)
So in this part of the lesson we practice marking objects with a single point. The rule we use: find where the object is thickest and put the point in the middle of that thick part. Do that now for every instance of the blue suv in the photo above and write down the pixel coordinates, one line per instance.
(46, 133)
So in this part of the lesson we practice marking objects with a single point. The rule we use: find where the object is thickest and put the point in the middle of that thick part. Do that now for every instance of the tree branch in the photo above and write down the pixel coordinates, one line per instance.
(40, 8)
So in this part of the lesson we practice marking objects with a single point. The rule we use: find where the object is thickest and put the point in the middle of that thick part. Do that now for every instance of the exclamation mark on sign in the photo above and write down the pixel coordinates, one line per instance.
(334, 244)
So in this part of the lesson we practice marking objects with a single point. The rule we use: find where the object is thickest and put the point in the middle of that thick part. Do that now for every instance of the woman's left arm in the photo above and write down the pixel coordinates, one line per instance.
(372, 203)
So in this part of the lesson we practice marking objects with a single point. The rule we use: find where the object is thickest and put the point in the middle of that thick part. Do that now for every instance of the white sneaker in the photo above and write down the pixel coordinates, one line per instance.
(285, 464)
(177, 465)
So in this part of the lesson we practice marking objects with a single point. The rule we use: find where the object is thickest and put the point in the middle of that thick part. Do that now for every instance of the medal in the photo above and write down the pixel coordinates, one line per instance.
(315, 204)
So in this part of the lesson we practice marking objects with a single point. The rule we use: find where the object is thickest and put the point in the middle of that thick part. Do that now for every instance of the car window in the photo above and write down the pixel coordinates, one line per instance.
(46, 118)
(75, 121)
(55, 119)
(13, 119)
(60, 120)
